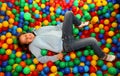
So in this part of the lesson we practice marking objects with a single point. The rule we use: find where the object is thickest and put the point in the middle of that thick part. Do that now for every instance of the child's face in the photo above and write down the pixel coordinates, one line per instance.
(26, 38)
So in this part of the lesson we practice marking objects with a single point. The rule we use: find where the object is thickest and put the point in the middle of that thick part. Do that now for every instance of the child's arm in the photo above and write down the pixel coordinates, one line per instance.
(43, 59)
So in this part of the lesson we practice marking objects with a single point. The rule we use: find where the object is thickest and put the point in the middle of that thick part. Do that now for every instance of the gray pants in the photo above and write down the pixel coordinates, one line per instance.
(69, 42)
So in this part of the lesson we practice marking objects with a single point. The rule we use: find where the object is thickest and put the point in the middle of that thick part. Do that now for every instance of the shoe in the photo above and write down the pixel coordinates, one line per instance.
(110, 58)
(83, 24)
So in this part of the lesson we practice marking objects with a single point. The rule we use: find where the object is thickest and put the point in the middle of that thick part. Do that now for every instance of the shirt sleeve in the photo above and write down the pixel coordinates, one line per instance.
(43, 59)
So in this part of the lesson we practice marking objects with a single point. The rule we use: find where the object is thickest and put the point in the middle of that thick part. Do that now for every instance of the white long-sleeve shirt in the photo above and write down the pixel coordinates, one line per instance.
(47, 37)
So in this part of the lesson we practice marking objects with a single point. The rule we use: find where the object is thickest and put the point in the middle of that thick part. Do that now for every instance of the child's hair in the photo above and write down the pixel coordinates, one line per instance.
(23, 46)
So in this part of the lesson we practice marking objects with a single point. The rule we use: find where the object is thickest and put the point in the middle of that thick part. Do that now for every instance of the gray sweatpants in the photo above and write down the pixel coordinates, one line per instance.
(69, 42)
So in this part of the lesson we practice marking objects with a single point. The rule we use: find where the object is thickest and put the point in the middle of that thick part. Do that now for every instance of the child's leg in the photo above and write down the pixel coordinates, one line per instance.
(77, 44)
(69, 20)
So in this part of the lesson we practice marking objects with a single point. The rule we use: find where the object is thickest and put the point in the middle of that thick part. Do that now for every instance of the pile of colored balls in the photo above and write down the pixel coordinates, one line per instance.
(19, 16)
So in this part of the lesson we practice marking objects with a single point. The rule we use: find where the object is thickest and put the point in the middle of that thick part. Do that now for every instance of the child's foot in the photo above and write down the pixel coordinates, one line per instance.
(109, 57)
(83, 24)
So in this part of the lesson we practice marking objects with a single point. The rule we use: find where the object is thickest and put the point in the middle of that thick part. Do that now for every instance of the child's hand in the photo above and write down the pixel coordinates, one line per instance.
(83, 24)
(60, 56)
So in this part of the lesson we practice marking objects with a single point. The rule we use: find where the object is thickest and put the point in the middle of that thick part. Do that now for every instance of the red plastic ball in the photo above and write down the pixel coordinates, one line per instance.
(92, 69)
(50, 63)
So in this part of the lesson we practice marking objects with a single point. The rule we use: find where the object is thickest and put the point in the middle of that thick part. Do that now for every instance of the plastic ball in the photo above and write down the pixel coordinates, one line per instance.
(8, 34)
(104, 67)
(46, 70)
(76, 61)
(45, 22)
(94, 20)
(93, 74)
(35, 61)
(116, 6)
(80, 69)
(111, 33)
(112, 70)
(9, 41)
(67, 58)
(8, 68)
(27, 16)
(8, 51)
(39, 67)
(114, 24)
(5, 24)
(93, 62)
(19, 30)
(62, 65)
(2, 51)
(95, 57)
(19, 54)
(117, 64)
(32, 67)
(18, 68)
(44, 52)
(42, 6)
(75, 69)
(85, 7)
(11, 20)
(53, 69)
(5, 45)
(109, 64)
(26, 70)
(72, 55)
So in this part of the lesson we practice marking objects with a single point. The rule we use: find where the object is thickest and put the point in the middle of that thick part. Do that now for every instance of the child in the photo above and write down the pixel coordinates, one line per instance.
(60, 38)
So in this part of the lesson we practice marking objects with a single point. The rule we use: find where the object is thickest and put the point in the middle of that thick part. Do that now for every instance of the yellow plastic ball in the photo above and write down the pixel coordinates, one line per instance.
(0, 25)
(35, 61)
(3, 8)
(18, 54)
(52, 13)
(116, 6)
(4, 4)
(52, 74)
(109, 40)
(85, 7)
(98, 4)
(10, 25)
(8, 51)
(51, 9)
(93, 74)
(15, 46)
(109, 64)
(104, 3)
(42, 6)
(19, 30)
(114, 24)
(37, 1)
(101, 26)
(53, 69)
(3, 37)
(14, 66)
(26, 8)
(37, 27)
(8, 34)
(72, 55)
(111, 33)
(8, 12)
(95, 57)
(5, 24)
(89, 1)
(90, 25)
(45, 22)
(36, 11)
(44, 65)
(32, 67)
(106, 21)
(93, 62)
(5, 45)
(82, 64)
(61, 17)
(96, 29)
(113, 14)
(106, 50)
(94, 19)
(9, 41)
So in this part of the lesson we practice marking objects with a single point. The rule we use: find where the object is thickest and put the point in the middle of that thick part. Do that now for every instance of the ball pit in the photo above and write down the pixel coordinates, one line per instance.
(17, 16)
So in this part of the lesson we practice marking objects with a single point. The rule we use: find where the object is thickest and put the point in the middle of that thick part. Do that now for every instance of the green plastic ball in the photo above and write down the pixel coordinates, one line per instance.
(60, 74)
(86, 52)
(18, 60)
(8, 68)
(112, 70)
(15, 73)
(92, 52)
(71, 64)
(62, 65)
(108, 45)
(76, 61)
(14, 11)
(27, 16)
(93, 35)
(12, 56)
(26, 70)
(117, 64)
(78, 53)
(18, 68)
(75, 3)
(25, 27)
(11, 61)
(78, 16)
(92, 6)
(100, 63)
(102, 31)
(28, 61)
(2, 51)
(75, 31)
(43, 52)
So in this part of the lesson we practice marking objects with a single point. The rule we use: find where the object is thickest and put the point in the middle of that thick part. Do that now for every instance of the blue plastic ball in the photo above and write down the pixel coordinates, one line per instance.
(67, 58)
(101, 36)
(4, 64)
(104, 67)
(37, 16)
(118, 55)
(66, 70)
(86, 68)
(58, 11)
(10, 5)
(46, 70)
(82, 58)
(86, 74)
(24, 56)
(75, 69)
(80, 69)
(30, 1)
(103, 41)
(8, 74)
(99, 72)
